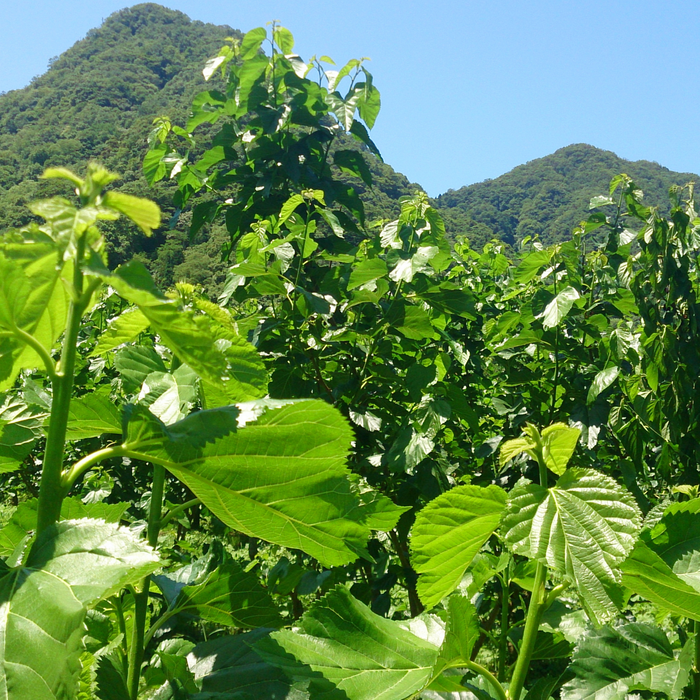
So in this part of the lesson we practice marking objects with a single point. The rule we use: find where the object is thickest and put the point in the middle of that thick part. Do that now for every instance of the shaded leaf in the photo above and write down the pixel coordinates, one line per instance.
(364, 655)
(610, 662)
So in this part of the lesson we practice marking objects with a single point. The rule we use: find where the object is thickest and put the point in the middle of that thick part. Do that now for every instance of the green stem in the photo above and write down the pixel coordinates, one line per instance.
(532, 623)
(503, 636)
(539, 601)
(81, 466)
(51, 490)
(177, 510)
(478, 668)
(696, 669)
(138, 641)
(39, 349)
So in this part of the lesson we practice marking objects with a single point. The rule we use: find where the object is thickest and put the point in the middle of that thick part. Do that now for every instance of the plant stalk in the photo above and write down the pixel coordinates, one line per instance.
(51, 489)
(137, 647)
(478, 668)
(503, 636)
(534, 614)
(696, 666)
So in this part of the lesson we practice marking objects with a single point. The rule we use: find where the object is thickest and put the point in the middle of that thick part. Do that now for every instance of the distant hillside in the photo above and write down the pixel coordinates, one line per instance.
(549, 196)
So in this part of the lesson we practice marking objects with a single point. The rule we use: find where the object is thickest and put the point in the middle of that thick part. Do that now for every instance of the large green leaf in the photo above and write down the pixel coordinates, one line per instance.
(170, 396)
(31, 299)
(122, 329)
(461, 633)
(230, 668)
(644, 572)
(93, 415)
(43, 603)
(274, 470)
(364, 655)
(229, 596)
(559, 307)
(583, 528)
(22, 523)
(447, 534)
(610, 662)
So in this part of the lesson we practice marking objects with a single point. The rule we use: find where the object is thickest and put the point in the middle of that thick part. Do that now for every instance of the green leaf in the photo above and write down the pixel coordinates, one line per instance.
(32, 299)
(448, 533)
(609, 663)
(135, 363)
(559, 307)
(353, 162)
(289, 207)
(676, 539)
(411, 321)
(143, 212)
(461, 632)
(122, 329)
(229, 596)
(73, 564)
(93, 415)
(555, 446)
(274, 470)
(366, 271)
(218, 356)
(558, 444)
(645, 573)
(284, 39)
(252, 42)
(583, 528)
(20, 427)
(170, 396)
(601, 382)
(365, 656)
(230, 668)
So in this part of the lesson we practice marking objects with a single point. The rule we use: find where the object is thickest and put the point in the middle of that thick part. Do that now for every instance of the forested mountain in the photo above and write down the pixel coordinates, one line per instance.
(547, 197)
(98, 100)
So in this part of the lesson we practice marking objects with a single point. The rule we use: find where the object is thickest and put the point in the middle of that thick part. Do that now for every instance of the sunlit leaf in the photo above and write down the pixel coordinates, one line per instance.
(584, 527)
(447, 534)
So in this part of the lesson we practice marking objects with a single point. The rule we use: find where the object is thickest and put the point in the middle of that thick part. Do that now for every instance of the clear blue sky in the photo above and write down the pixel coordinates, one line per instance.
(469, 89)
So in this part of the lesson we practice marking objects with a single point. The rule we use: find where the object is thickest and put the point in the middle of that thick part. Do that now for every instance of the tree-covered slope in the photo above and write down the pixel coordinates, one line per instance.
(547, 197)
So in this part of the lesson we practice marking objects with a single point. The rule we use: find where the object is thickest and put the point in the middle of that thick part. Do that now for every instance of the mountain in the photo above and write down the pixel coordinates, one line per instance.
(549, 196)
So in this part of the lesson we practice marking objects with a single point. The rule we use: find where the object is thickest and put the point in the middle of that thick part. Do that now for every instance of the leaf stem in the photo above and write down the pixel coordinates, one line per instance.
(81, 466)
(503, 635)
(39, 349)
(138, 637)
(478, 668)
(176, 510)
(696, 665)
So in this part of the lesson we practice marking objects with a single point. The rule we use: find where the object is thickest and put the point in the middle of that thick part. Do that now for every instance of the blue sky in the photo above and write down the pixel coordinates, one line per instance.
(469, 89)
